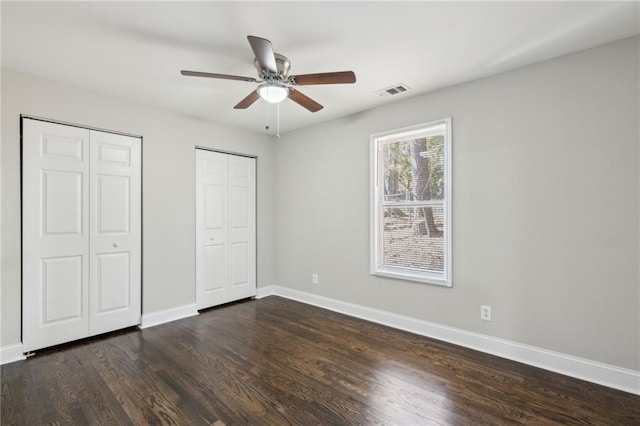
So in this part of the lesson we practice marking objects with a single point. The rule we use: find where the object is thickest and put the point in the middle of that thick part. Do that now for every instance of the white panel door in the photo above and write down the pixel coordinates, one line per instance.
(225, 228)
(115, 234)
(242, 227)
(211, 228)
(55, 243)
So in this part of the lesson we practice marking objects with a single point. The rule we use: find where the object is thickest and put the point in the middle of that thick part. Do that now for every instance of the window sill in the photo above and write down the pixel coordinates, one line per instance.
(409, 275)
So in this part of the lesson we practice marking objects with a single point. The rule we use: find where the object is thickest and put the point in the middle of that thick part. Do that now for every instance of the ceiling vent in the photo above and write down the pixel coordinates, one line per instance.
(394, 90)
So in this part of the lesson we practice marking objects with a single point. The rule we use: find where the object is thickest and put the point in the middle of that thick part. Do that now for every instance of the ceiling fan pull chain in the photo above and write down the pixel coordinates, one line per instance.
(278, 115)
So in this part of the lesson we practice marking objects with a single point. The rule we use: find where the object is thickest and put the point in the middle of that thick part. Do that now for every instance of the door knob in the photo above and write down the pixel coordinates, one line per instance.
(116, 245)
(212, 239)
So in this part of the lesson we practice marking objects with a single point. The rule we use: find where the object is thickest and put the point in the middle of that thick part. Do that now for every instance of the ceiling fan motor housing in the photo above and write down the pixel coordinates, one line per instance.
(282, 64)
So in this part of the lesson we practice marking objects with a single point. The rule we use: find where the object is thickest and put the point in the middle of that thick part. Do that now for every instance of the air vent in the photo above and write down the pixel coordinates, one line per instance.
(393, 90)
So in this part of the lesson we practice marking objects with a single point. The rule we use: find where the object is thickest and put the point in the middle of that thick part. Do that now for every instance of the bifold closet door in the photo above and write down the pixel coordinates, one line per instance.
(115, 232)
(225, 228)
(55, 234)
(81, 235)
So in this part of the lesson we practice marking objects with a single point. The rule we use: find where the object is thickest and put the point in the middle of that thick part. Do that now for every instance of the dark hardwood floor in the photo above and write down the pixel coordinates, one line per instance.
(275, 361)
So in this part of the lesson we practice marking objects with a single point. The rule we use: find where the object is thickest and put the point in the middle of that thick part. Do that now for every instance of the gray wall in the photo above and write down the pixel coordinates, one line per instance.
(168, 186)
(545, 206)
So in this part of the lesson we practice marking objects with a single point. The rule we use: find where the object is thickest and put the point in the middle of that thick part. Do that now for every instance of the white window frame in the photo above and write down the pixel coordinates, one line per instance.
(377, 203)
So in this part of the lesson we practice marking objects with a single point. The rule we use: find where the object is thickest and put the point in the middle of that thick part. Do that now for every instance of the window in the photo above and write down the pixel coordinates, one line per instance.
(411, 203)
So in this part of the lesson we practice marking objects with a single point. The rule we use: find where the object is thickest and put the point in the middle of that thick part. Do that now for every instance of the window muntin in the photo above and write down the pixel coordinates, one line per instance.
(411, 203)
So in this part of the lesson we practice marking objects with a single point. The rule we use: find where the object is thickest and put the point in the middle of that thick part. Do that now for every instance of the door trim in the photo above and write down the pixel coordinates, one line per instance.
(82, 126)
(220, 151)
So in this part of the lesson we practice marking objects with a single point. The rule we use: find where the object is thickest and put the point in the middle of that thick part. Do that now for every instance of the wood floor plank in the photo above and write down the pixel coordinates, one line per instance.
(277, 362)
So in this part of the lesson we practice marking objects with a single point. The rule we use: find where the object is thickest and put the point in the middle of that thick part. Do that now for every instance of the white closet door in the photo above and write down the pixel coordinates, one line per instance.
(211, 228)
(55, 243)
(115, 243)
(242, 227)
(225, 228)
(81, 233)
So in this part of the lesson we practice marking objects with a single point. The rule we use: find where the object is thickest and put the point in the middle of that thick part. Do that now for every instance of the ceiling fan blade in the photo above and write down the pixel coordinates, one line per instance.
(264, 53)
(304, 100)
(213, 75)
(248, 101)
(341, 77)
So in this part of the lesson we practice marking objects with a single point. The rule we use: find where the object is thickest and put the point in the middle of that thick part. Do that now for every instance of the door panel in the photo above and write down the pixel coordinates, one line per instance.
(61, 289)
(213, 206)
(61, 147)
(55, 244)
(215, 269)
(113, 153)
(113, 282)
(116, 245)
(62, 202)
(240, 207)
(225, 228)
(113, 209)
(239, 264)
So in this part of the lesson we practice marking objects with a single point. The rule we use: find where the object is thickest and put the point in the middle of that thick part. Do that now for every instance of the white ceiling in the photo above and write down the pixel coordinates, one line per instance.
(135, 50)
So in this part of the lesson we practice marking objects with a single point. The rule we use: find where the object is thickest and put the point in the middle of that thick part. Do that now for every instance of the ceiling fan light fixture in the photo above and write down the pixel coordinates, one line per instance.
(273, 92)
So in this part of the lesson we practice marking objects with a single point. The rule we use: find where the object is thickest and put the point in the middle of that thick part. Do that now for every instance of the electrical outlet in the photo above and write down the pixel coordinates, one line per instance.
(485, 312)
(314, 279)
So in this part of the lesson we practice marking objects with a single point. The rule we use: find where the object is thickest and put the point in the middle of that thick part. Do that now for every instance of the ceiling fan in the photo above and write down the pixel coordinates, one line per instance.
(275, 81)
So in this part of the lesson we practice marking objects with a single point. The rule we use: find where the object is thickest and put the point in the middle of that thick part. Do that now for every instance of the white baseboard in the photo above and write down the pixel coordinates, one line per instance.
(168, 315)
(266, 291)
(11, 353)
(592, 371)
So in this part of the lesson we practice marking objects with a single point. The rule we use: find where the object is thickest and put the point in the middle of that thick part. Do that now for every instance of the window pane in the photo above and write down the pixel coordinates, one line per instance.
(412, 237)
(414, 169)
(398, 175)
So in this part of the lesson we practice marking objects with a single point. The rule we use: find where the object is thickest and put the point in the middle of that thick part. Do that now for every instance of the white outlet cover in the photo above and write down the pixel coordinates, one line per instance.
(485, 312)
